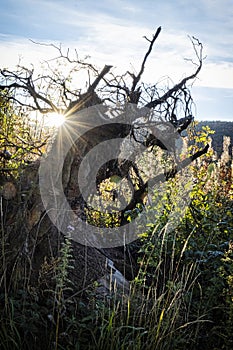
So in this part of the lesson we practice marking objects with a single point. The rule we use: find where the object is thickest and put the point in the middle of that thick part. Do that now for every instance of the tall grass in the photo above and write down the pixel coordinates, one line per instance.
(182, 295)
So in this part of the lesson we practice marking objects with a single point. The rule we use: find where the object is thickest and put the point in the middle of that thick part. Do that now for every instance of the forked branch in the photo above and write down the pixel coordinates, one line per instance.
(136, 78)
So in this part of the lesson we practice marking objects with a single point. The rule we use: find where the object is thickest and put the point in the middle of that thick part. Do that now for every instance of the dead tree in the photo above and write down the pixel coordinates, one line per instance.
(29, 231)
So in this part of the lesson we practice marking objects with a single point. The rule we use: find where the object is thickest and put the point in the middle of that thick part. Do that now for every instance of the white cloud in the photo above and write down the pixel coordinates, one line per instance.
(109, 39)
(125, 48)
(218, 75)
(15, 50)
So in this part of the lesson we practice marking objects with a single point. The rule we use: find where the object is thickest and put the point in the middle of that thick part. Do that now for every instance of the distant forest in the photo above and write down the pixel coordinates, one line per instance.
(221, 128)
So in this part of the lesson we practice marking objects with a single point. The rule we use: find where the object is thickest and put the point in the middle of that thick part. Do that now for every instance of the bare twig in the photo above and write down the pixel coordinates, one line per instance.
(137, 78)
(184, 81)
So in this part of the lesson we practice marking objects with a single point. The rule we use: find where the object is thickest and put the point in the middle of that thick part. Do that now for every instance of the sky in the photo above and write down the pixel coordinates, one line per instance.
(112, 31)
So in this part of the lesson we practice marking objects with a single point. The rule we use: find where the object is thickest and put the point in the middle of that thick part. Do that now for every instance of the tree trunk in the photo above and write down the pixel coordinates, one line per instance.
(32, 240)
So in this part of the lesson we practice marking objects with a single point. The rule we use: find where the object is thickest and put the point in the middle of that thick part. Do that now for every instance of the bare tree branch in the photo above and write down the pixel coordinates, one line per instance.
(26, 84)
(138, 195)
(137, 78)
(100, 76)
(184, 81)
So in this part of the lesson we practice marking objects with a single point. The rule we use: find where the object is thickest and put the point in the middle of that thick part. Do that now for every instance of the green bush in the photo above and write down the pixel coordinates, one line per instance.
(182, 295)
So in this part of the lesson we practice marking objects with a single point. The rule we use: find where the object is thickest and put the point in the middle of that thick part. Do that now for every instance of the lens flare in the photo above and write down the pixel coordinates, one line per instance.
(54, 119)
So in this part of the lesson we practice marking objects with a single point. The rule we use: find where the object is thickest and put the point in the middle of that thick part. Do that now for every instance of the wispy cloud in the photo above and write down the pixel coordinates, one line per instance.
(213, 103)
(111, 32)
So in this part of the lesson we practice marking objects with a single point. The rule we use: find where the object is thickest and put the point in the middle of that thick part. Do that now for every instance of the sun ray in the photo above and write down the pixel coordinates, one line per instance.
(54, 119)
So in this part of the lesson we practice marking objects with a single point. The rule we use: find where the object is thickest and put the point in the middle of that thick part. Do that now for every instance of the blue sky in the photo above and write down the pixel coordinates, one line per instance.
(111, 32)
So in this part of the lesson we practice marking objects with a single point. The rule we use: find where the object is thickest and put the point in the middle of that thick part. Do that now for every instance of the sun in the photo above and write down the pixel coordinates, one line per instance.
(54, 119)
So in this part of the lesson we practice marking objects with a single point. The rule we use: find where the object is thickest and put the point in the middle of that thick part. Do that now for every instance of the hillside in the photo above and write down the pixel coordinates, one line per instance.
(221, 128)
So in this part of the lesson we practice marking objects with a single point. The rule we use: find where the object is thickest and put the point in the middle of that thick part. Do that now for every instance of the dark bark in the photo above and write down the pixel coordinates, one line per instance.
(29, 234)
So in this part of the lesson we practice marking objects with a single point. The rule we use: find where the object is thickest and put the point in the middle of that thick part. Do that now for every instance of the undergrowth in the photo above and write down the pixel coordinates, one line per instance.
(182, 295)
